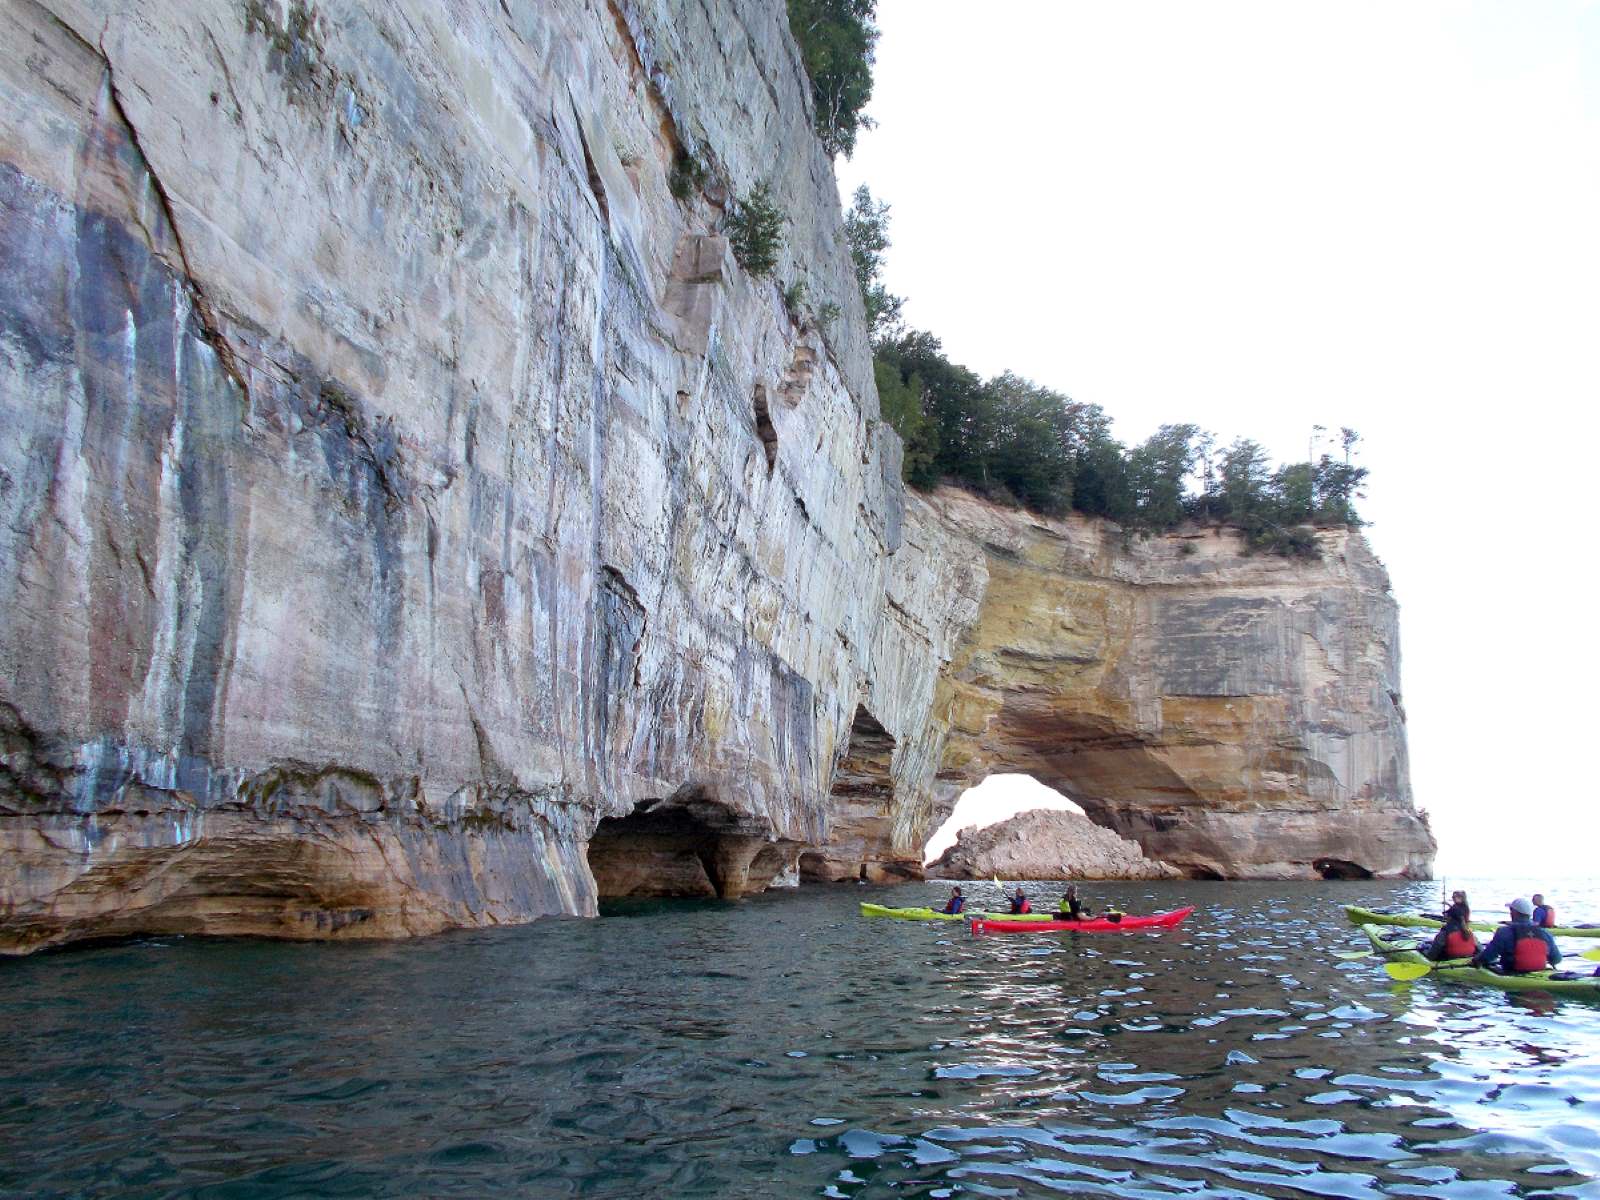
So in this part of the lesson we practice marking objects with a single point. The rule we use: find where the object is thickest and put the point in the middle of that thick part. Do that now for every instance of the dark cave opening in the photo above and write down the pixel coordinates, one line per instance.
(860, 845)
(685, 846)
(1339, 868)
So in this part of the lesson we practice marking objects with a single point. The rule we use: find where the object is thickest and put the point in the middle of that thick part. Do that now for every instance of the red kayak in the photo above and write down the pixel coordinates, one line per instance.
(1166, 920)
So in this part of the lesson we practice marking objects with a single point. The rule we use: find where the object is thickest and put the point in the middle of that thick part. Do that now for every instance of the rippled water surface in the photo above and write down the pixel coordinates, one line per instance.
(786, 1047)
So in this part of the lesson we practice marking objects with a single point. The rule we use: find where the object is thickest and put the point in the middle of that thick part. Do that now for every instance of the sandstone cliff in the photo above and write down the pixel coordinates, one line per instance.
(399, 479)
(1236, 715)
(412, 516)
(1045, 844)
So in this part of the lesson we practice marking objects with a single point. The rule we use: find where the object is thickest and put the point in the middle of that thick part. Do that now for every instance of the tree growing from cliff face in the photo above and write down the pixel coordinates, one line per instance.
(866, 228)
(755, 231)
(837, 39)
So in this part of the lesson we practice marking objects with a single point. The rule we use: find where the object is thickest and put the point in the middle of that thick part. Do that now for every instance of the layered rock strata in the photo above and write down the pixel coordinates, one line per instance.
(1046, 844)
(401, 478)
(1236, 715)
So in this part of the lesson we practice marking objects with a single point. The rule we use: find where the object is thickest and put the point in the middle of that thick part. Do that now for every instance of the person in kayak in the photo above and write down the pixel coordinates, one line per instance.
(1521, 946)
(1455, 940)
(1458, 908)
(956, 902)
(1071, 908)
(1019, 903)
(1544, 915)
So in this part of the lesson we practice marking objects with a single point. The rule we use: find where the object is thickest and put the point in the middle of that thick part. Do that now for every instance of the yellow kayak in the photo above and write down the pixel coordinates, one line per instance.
(1365, 916)
(933, 914)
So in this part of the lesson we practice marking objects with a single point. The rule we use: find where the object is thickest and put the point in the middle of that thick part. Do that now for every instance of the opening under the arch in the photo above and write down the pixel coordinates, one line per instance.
(998, 798)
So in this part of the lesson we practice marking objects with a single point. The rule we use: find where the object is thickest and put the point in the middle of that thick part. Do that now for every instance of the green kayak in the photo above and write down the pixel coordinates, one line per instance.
(1365, 916)
(1460, 970)
(933, 914)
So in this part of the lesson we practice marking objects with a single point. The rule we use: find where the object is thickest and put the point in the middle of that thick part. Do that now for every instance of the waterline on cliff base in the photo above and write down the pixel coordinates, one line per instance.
(785, 1047)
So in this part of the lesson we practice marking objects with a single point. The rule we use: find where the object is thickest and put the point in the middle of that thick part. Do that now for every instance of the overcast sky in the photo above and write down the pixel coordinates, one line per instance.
(1263, 216)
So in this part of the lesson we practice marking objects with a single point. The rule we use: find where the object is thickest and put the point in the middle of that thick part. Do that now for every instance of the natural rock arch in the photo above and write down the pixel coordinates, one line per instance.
(1234, 714)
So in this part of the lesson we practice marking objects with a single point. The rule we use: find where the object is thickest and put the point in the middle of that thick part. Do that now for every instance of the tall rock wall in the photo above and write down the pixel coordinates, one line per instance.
(399, 480)
(412, 516)
(1237, 715)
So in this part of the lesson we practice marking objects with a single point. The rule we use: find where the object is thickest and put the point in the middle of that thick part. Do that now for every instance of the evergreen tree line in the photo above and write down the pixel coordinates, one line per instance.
(1016, 442)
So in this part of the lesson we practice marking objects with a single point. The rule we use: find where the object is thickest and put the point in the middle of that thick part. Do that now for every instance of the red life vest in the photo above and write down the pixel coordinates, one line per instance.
(1459, 943)
(1026, 907)
(1549, 919)
(1529, 953)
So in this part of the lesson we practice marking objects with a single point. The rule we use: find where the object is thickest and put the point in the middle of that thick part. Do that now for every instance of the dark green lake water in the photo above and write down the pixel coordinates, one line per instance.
(785, 1047)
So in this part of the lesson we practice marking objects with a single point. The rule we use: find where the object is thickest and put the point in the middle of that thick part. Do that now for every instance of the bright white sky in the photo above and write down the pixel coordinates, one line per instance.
(1263, 216)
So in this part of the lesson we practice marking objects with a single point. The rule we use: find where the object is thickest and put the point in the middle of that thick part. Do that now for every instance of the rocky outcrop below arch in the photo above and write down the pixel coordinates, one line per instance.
(1236, 715)
(1046, 844)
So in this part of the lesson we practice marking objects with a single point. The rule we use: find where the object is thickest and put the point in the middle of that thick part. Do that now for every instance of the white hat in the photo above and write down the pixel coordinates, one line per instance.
(1519, 905)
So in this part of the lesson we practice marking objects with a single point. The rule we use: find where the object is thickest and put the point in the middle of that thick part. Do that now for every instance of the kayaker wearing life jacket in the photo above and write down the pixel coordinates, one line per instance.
(1520, 946)
(1458, 908)
(1544, 915)
(1071, 908)
(1019, 903)
(956, 902)
(1455, 940)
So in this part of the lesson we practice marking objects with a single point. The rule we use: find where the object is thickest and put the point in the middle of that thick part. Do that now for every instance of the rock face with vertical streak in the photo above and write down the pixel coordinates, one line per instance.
(400, 478)
(413, 516)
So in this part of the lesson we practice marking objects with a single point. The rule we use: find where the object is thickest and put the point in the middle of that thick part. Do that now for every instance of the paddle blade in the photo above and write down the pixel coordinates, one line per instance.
(1591, 954)
(1404, 972)
(1353, 955)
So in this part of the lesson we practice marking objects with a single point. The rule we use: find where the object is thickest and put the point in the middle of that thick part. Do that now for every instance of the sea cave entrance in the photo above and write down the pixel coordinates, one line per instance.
(861, 845)
(688, 844)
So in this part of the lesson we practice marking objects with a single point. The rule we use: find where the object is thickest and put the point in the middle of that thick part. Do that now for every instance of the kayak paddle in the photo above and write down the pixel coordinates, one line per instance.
(1405, 972)
(1591, 954)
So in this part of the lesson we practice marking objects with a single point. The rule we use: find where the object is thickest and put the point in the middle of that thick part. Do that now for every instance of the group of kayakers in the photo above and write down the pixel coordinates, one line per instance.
(1069, 908)
(1521, 944)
